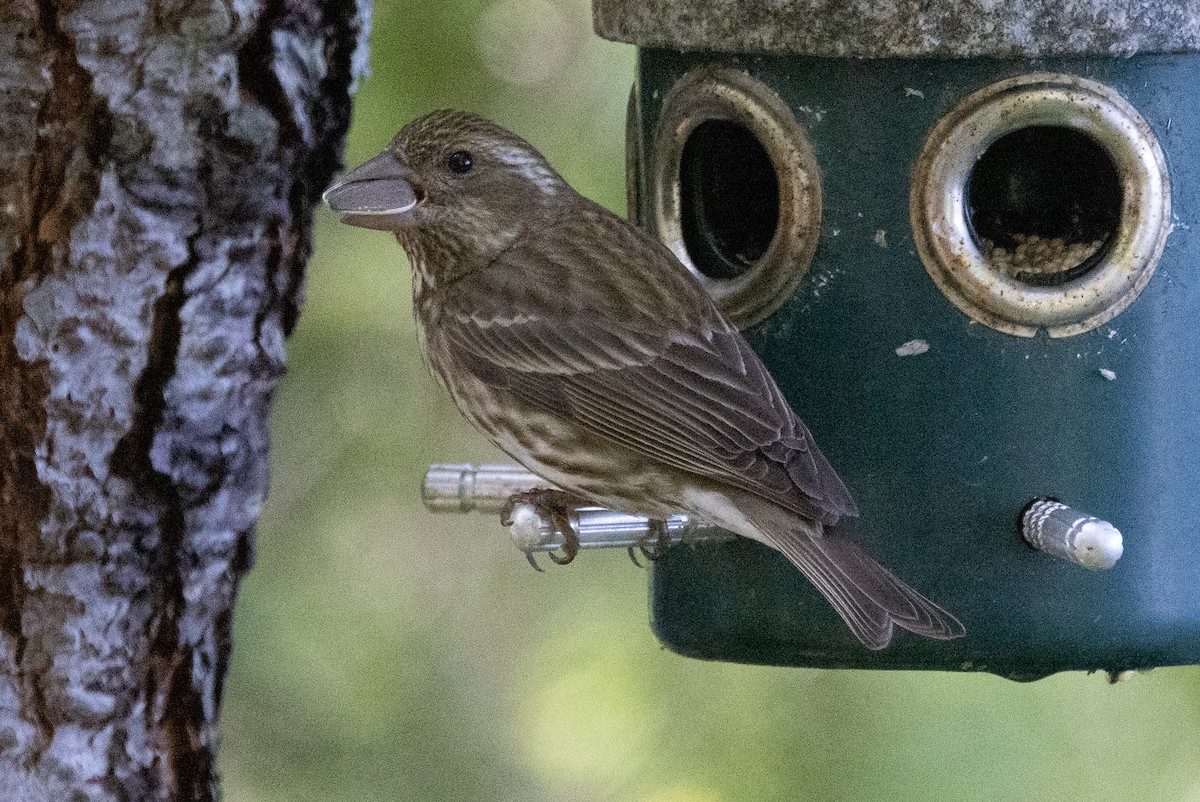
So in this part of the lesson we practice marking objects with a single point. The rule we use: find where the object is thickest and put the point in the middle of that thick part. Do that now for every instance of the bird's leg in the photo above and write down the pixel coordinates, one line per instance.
(655, 544)
(555, 506)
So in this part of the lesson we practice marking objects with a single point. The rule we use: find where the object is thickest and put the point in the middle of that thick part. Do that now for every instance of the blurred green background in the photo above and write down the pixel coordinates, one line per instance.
(384, 653)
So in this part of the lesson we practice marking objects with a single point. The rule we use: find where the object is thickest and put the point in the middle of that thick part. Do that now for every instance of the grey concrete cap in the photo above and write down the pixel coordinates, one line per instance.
(881, 28)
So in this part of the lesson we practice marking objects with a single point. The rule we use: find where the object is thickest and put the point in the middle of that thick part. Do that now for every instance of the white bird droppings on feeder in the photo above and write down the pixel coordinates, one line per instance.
(913, 348)
(910, 92)
(881, 238)
(817, 114)
(1108, 374)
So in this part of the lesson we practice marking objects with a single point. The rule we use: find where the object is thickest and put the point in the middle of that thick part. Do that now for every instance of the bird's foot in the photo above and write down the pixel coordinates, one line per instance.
(654, 544)
(555, 506)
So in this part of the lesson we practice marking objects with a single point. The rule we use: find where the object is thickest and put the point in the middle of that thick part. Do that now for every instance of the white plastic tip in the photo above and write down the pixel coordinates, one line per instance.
(526, 531)
(1098, 545)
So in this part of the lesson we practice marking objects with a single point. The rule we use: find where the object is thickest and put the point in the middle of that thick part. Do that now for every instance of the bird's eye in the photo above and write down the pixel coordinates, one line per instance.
(460, 161)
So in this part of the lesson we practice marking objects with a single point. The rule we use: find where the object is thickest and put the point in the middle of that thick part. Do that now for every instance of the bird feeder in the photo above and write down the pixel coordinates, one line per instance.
(960, 234)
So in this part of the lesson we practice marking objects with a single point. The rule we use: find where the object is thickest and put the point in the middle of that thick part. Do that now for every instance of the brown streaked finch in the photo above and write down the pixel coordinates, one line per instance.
(583, 348)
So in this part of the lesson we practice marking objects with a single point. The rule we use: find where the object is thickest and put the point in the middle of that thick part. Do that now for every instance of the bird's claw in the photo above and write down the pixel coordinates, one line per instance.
(654, 545)
(555, 506)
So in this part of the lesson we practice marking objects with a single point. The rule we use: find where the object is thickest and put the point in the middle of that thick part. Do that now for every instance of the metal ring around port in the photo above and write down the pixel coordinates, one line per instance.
(720, 93)
(949, 249)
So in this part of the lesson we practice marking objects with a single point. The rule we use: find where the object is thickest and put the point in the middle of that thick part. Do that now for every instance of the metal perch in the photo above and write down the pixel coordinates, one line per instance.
(466, 488)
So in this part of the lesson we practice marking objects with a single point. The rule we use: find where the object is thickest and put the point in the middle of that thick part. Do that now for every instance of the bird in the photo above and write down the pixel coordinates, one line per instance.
(584, 349)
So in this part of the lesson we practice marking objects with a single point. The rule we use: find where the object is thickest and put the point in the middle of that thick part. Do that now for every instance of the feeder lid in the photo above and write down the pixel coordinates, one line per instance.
(944, 28)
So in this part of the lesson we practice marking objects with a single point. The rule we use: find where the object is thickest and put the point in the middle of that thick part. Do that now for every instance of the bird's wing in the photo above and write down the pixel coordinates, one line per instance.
(652, 366)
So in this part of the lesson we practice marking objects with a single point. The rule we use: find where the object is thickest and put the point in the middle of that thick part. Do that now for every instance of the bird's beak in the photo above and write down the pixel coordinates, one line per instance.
(379, 194)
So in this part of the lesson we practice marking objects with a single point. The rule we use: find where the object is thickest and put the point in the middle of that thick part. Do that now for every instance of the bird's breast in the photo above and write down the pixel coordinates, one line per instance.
(553, 447)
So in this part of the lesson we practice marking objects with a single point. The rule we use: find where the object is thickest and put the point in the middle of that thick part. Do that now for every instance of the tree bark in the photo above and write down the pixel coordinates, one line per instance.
(160, 165)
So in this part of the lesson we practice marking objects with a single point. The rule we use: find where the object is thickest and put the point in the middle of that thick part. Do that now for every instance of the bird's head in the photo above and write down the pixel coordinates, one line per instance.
(451, 173)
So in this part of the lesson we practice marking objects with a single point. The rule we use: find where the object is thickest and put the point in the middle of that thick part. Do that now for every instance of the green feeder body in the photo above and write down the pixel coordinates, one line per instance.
(948, 399)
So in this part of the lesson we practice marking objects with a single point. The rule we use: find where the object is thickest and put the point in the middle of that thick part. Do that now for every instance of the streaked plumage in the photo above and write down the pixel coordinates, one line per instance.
(583, 349)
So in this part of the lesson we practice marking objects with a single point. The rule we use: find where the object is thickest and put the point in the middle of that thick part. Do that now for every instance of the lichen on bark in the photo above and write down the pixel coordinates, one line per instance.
(156, 190)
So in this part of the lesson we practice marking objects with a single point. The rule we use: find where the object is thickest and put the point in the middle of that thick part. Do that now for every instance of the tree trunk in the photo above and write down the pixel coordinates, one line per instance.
(159, 168)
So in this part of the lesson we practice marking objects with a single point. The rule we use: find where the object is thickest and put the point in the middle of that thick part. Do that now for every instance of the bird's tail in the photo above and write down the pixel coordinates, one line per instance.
(868, 597)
